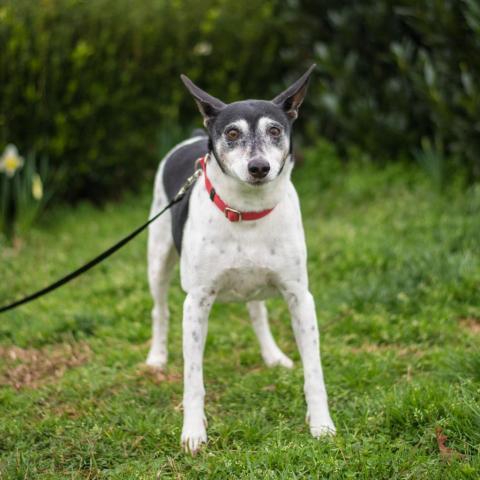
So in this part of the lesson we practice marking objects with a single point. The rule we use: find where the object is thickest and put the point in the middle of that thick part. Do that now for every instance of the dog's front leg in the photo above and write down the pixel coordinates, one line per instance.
(195, 321)
(304, 320)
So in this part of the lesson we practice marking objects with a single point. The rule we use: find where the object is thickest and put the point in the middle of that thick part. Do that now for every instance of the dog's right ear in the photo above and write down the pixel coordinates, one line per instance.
(209, 106)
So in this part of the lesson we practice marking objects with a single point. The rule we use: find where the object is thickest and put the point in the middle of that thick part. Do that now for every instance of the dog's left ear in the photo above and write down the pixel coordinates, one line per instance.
(209, 106)
(291, 99)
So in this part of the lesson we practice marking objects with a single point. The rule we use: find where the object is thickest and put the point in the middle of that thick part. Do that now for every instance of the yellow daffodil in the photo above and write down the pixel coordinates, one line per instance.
(10, 161)
(37, 187)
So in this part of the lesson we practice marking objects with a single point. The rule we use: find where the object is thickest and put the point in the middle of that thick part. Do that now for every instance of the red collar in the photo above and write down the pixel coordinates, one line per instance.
(232, 214)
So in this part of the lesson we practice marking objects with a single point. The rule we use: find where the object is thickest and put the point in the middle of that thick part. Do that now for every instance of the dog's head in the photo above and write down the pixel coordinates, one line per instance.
(251, 139)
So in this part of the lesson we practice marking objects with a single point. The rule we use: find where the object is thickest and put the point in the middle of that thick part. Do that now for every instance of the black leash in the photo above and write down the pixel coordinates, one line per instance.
(107, 253)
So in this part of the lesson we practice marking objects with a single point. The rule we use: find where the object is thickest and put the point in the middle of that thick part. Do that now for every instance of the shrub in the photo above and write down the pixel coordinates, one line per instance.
(398, 76)
(92, 83)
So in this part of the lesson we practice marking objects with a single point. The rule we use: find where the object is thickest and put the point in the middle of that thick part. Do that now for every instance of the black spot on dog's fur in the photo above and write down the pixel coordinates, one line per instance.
(178, 167)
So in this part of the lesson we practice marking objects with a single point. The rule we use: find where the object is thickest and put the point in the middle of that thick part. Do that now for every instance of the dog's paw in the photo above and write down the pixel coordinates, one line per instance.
(321, 427)
(278, 359)
(157, 361)
(318, 431)
(193, 439)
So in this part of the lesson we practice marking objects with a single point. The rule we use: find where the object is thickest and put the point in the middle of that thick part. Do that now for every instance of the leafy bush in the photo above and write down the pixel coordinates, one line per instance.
(93, 83)
(398, 76)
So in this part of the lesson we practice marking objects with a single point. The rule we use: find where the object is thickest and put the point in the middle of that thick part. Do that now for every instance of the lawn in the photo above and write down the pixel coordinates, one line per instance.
(395, 270)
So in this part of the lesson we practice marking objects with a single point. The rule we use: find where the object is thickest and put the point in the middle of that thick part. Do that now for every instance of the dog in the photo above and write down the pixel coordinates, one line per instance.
(239, 237)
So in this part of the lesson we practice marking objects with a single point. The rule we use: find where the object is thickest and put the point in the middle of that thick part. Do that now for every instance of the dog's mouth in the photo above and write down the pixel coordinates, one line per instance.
(254, 182)
(257, 182)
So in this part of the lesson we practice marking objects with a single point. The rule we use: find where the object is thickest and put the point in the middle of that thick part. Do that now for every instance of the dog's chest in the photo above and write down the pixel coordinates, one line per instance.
(245, 284)
(236, 271)
(240, 261)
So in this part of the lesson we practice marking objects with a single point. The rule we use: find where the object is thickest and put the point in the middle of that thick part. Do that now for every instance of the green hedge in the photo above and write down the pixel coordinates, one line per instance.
(399, 78)
(94, 84)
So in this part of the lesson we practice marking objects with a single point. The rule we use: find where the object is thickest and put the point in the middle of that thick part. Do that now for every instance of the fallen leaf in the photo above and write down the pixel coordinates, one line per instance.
(445, 452)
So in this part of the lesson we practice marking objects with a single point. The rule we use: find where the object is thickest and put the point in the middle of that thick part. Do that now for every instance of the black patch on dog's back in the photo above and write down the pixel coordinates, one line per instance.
(178, 167)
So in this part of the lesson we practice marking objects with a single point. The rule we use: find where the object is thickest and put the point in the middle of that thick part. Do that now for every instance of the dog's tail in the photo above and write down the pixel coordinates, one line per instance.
(198, 132)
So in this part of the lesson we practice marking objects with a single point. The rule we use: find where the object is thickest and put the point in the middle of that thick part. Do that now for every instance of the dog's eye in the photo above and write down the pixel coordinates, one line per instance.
(274, 131)
(232, 134)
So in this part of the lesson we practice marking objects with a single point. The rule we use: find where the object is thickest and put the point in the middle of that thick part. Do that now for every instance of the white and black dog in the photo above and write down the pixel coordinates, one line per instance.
(239, 236)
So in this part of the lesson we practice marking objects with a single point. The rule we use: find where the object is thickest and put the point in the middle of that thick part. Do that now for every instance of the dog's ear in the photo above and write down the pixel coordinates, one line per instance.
(209, 106)
(291, 99)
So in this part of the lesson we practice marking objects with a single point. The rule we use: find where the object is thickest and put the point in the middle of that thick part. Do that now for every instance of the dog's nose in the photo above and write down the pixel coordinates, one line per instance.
(258, 168)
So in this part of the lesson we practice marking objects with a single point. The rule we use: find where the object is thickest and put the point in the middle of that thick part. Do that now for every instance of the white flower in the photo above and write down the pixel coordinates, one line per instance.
(202, 49)
(10, 161)
(37, 187)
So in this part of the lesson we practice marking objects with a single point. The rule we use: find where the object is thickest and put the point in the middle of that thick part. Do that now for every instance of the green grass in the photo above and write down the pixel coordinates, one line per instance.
(395, 270)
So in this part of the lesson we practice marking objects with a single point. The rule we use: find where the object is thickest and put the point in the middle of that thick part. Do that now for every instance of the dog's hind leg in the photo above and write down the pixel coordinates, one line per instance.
(271, 353)
(162, 257)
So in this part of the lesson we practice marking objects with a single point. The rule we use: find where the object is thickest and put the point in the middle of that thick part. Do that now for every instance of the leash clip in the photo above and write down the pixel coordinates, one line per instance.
(198, 161)
(188, 183)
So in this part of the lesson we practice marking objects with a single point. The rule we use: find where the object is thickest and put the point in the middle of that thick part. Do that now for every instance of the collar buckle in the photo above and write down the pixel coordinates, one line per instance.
(233, 215)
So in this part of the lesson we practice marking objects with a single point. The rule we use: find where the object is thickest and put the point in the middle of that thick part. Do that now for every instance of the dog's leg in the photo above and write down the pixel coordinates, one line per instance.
(304, 320)
(161, 260)
(271, 353)
(195, 321)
